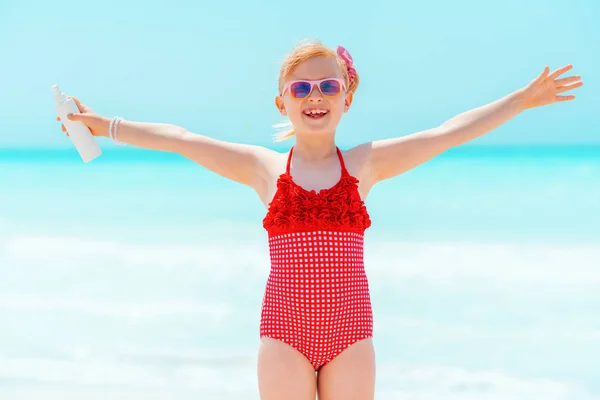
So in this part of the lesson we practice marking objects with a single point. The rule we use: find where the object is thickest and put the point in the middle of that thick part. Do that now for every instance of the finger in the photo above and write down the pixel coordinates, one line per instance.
(565, 98)
(76, 117)
(79, 103)
(63, 128)
(58, 118)
(560, 71)
(543, 75)
(563, 81)
(546, 71)
(566, 88)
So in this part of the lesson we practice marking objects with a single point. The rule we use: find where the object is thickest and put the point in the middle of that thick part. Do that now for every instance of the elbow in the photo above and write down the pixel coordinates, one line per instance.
(180, 140)
(443, 138)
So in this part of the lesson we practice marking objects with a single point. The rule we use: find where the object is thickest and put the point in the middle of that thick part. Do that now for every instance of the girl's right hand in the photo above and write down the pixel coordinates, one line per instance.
(96, 123)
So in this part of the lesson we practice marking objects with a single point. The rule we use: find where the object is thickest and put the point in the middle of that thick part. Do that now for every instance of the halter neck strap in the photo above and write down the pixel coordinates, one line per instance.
(339, 153)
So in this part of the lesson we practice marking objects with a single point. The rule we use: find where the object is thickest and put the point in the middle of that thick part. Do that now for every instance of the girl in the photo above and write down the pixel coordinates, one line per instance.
(316, 323)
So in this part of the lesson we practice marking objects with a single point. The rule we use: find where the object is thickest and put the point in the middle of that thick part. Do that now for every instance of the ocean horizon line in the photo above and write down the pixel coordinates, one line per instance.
(124, 154)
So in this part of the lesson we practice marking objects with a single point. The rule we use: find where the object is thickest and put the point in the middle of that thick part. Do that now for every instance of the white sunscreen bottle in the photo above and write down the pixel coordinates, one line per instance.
(79, 133)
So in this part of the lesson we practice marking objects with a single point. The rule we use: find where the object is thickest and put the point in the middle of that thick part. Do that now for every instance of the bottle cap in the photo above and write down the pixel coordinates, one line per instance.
(59, 96)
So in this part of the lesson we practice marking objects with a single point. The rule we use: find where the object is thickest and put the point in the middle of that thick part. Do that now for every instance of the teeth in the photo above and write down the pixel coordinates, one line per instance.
(315, 111)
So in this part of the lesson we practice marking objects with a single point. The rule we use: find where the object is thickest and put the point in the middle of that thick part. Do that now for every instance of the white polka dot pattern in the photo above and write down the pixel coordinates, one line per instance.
(317, 294)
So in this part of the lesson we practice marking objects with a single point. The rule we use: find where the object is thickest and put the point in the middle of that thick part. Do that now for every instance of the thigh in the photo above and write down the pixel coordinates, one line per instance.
(351, 375)
(284, 372)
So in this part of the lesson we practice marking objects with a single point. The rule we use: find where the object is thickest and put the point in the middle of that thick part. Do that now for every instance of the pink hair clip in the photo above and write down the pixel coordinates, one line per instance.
(345, 55)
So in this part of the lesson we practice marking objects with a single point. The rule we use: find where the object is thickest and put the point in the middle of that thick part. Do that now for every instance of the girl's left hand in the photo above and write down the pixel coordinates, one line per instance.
(545, 89)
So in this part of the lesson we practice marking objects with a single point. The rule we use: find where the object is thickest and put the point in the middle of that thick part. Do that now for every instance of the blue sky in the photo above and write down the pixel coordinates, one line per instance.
(212, 66)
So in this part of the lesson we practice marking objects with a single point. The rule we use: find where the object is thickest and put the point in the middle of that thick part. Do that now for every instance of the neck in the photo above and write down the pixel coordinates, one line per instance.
(315, 148)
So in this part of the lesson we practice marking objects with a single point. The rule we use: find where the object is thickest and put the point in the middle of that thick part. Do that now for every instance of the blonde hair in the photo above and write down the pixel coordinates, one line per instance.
(304, 51)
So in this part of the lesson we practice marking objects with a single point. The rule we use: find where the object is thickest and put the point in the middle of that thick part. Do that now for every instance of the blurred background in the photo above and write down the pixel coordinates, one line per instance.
(118, 279)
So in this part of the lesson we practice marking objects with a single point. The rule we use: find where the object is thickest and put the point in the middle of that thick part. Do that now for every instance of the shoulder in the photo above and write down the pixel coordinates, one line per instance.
(271, 163)
(358, 164)
(271, 159)
(357, 158)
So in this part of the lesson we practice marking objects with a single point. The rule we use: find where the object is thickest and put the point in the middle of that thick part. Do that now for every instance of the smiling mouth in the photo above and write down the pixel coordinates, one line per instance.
(315, 113)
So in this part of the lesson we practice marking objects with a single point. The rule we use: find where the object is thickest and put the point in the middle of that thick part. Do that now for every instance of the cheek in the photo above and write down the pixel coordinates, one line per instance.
(293, 108)
(338, 105)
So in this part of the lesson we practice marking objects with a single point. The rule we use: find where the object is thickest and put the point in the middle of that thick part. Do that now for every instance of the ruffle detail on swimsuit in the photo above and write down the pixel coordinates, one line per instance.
(294, 208)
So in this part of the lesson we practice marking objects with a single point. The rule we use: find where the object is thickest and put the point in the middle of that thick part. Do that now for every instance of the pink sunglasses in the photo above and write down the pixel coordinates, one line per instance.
(300, 89)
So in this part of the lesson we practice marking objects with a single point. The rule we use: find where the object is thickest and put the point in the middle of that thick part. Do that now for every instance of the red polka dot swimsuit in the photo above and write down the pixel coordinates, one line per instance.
(317, 295)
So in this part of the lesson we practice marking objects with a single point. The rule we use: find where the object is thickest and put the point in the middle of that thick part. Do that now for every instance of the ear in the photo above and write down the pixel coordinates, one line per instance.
(280, 106)
(348, 101)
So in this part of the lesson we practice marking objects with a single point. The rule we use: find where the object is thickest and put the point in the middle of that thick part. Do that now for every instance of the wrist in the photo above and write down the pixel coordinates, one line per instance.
(105, 122)
(521, 100)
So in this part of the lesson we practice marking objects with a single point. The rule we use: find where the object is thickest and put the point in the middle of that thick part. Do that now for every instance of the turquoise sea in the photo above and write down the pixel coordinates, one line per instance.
(140, 276)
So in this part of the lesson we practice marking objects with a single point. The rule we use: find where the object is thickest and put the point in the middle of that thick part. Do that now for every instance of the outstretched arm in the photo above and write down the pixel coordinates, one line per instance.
(392, 157)
(238, 162)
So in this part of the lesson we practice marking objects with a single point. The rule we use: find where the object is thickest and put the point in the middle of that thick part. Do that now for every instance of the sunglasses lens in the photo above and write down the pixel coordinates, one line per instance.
(330, 87)
(300, 89)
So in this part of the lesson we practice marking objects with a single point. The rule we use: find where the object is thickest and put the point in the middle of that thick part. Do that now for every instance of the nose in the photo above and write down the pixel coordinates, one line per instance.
(315, 94)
